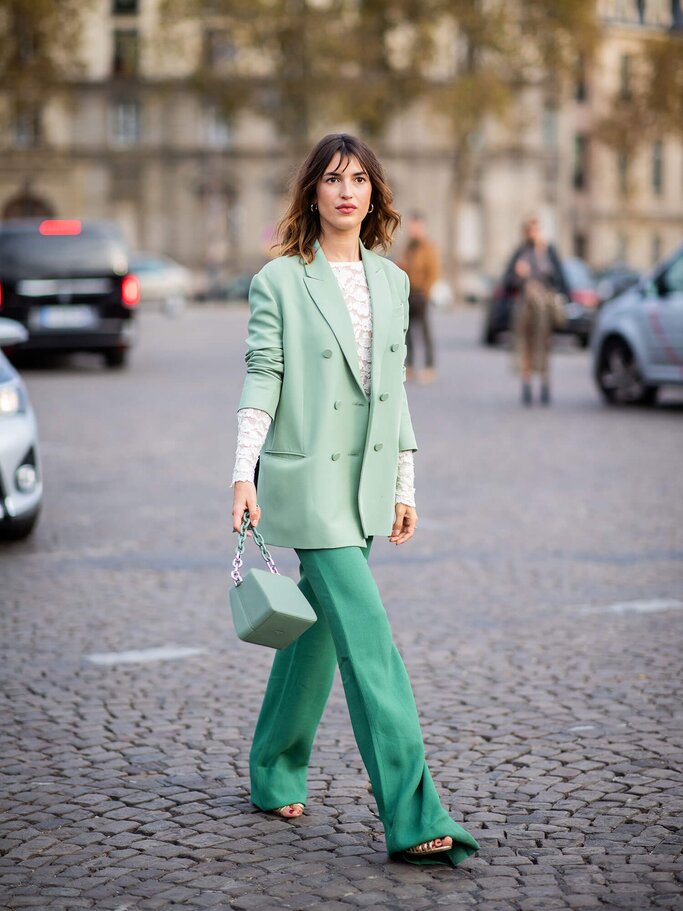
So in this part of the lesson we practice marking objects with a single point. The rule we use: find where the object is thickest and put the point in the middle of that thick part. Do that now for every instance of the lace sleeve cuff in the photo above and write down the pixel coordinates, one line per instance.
(252, 428)
(405, 479)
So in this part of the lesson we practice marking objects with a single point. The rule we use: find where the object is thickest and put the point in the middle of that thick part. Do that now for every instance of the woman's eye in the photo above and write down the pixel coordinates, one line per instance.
(360, 179)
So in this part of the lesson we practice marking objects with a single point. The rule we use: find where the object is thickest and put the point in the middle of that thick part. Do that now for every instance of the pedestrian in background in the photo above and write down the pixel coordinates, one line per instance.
(534, 277)
(421, 263)
(324, 403)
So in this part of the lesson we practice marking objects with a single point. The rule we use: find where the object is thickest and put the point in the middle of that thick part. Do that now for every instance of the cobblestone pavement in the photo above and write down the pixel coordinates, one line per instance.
(539, 610)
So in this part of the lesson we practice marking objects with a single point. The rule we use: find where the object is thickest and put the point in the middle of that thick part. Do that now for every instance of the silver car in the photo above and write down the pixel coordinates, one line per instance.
(21, 486)
(163, 281)
(637, 341)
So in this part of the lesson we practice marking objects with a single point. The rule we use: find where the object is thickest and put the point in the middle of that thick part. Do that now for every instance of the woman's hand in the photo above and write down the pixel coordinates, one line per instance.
(404, 524)
(522, 268)
(244, 497)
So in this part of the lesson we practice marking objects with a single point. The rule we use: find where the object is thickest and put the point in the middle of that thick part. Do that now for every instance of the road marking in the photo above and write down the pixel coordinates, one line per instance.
(634, 607)
(132, 656)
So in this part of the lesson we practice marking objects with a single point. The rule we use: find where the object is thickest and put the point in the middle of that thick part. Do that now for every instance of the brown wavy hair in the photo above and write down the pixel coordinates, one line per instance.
(299, 228)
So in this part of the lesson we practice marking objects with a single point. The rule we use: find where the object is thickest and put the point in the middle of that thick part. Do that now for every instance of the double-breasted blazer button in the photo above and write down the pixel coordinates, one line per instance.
(327, 352)
(335, 456)
(337, 405)
(384, 396)
(378, 446)
(394, 347)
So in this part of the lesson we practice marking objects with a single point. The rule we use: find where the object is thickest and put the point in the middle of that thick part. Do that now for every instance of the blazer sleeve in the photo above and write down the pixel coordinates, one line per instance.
(406, 436)
(264, 356)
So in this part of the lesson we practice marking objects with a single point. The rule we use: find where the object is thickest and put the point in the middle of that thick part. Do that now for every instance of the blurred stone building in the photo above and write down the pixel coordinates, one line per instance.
(131, 139)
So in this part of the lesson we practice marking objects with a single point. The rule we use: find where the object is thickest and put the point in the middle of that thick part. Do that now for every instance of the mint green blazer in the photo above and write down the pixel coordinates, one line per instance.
(327, 474)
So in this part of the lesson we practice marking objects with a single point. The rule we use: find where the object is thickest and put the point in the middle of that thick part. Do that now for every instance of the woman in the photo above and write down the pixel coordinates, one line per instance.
(534, 275)
(324, 404)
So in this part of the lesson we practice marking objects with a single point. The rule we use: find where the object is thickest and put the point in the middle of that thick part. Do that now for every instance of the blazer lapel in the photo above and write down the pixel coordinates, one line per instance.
(324, 289)
(380, 297)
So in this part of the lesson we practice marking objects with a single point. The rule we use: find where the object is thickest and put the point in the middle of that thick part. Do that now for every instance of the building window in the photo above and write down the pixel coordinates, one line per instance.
(125, 123)
(623, 162)
(124, 7)
(27, 128)
(656, 249)
(25, 40)
(580, 177)
(580, 245)
(219, 50)
(676, 14)
(651, 13)
(622, 248)
(125, 62)
(217, 126)
(625, 76)
(657, 168)
(580, 85)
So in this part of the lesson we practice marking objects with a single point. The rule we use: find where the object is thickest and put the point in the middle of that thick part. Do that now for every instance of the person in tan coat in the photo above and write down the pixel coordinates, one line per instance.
(421, 262)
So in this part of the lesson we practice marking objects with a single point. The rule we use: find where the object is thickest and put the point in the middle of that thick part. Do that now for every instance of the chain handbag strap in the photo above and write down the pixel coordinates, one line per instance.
(258, 540)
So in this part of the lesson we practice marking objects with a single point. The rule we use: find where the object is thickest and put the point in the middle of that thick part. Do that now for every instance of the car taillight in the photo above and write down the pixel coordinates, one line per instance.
(59, 226)
(130, 291)
(587, 298)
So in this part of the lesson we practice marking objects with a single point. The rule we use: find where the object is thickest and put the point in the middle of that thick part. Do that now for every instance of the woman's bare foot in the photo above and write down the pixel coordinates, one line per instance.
(435, 846)
(289, 811)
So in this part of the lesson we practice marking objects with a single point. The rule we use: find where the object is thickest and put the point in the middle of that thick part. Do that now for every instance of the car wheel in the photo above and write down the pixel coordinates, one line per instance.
(620, 379)
(116, 357)
(18, 529)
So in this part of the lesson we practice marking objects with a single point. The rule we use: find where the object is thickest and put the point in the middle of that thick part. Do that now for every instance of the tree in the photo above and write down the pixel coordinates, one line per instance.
(364, 61)
(648, 103)
(39, 50)
(305, 63)
(501, 47)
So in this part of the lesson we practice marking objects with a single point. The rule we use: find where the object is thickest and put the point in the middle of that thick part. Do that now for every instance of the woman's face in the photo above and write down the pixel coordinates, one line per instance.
(343, 195)
(533, 231)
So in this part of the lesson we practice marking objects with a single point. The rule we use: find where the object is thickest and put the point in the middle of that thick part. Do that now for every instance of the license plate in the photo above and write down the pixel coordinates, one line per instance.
(41, 287)
(72, 317)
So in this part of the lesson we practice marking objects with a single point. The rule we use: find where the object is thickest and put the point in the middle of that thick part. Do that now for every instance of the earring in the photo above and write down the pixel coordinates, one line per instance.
(372, 207)
(314, 207)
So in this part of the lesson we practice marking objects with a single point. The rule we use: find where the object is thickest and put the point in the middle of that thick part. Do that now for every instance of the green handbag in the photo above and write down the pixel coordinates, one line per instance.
(267, 608)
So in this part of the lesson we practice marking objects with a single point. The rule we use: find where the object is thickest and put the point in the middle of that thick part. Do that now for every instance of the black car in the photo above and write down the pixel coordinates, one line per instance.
(580, 304)
(68, 282)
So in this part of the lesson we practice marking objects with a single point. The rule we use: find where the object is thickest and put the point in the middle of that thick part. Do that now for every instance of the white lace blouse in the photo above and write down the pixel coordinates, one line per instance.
(253, 424)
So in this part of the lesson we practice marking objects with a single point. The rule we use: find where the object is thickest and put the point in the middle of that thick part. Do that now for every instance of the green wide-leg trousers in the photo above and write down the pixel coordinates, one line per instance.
(352, 631)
